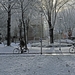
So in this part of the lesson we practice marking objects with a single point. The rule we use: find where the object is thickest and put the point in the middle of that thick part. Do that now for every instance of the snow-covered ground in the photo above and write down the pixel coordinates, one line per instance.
(36, 64)
(9, 49)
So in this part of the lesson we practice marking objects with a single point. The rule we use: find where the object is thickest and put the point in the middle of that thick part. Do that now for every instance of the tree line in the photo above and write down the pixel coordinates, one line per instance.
(26, 9)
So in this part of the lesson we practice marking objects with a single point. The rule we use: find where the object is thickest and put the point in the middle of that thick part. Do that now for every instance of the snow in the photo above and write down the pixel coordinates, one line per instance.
(36, 64)
(66, 41)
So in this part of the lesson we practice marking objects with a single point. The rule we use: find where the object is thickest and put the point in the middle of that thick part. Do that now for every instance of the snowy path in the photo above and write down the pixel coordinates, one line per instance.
(37, 65)
(37, 50)
(49, 63)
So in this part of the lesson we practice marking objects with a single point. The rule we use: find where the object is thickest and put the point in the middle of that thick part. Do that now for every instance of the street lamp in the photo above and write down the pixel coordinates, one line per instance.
(60, 35)
(41, 27)
(41, 33)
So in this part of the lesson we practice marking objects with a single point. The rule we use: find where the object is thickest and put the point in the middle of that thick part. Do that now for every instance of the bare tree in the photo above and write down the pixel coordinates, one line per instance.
(68, 18)
(24, 10)
(7, 5)
(3, 21)
(50, 9)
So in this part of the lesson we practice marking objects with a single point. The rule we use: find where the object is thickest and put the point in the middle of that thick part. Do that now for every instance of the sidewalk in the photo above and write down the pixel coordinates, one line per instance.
(37, 50)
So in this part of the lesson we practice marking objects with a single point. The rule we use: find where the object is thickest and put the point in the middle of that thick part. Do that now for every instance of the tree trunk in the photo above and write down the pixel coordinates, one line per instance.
(25, 39)
(51, 35)
(20, 28)
(27, 28)
(50, 28)
(23, 25)
(9, 24)
(27, 34)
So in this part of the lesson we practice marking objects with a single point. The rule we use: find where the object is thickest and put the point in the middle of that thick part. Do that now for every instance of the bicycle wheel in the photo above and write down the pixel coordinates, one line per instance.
(71, 50)
(16, 50)
(26, 51)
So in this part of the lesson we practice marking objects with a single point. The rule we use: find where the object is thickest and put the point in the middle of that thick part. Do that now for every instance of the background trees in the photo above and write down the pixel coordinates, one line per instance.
(3, 18)
(50, 9)
(67, 14)
(27, 11)
(25, 6)
(7, 6)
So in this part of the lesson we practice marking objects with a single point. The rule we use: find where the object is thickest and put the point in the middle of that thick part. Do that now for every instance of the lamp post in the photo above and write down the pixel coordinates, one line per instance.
(60, 35)
(41, 33)
(41, 27)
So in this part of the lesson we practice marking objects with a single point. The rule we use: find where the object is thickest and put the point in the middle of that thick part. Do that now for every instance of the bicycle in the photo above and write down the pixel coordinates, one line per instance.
(72, 49)
(18, 50)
